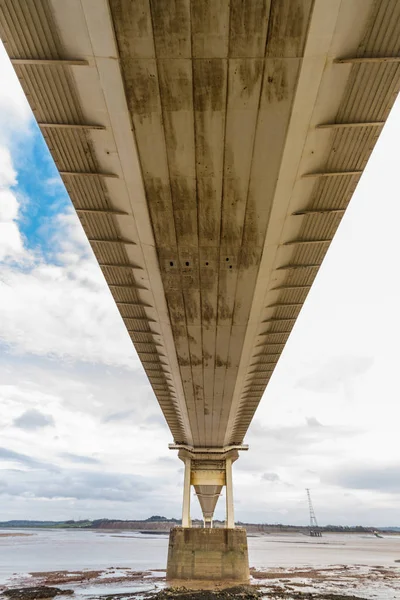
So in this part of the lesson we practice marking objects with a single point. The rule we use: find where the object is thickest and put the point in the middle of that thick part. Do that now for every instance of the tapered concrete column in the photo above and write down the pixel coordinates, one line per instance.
(186, 494)
(230, 518)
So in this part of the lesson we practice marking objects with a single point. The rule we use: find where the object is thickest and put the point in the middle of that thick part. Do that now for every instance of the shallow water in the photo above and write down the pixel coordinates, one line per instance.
(69, 549)
(76, 550)
(300, 550)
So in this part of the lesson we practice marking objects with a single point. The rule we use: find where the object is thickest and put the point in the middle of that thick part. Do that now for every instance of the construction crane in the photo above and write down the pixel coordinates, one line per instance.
(314, 529)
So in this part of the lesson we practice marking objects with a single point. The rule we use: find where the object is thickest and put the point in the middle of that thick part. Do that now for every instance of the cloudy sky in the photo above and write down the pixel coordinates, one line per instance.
(81, 434)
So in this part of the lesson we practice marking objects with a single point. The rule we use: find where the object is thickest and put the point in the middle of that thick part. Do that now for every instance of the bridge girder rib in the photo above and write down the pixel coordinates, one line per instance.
(203, 228)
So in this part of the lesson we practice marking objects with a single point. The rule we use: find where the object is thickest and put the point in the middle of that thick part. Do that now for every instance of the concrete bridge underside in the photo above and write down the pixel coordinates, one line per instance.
(210, 150)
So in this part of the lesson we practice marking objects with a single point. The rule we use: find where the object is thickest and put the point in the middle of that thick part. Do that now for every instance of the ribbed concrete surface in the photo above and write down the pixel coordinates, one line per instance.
(210, 150)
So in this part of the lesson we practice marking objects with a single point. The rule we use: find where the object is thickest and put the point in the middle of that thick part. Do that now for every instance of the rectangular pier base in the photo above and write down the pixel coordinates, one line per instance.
(208, 555)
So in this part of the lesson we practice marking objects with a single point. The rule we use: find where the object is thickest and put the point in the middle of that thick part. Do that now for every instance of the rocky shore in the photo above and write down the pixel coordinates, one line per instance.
(338, 582)
(35, 593)
(181, 593)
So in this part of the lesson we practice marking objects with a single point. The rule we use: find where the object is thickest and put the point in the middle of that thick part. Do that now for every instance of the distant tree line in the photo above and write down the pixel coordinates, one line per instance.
(164, 521)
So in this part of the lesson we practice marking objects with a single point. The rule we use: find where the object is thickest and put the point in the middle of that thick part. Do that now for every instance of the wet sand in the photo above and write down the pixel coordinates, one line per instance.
(337, 582)
(15, 535)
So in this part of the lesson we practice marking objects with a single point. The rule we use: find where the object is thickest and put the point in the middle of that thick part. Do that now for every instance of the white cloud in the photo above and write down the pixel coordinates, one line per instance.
(11, 242)
(64, 309)
(8, 204)
(52, 310)
(15, 112)
(33, 419)
(8, 176)
(11, 245)
(78, 398)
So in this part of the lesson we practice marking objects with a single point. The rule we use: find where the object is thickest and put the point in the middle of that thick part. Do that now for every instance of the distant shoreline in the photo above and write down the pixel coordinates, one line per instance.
(164, 525)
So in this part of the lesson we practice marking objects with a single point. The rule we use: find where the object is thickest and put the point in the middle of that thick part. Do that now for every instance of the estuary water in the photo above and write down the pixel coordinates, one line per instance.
(364, 564)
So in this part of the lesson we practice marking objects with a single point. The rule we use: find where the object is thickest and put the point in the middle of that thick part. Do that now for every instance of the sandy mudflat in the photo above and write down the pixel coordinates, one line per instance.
(16, 534)
(337, 582)
(112, 576)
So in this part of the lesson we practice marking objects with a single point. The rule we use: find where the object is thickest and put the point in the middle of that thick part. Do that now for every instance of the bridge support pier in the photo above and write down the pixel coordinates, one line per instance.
(205, 554)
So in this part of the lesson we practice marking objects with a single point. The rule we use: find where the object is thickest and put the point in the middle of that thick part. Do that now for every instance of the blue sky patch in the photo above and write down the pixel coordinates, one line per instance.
(41, 191)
